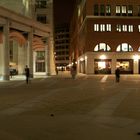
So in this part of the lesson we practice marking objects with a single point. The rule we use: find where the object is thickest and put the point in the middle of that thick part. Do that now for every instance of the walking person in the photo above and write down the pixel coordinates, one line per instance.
(27, 73)
(117, 73)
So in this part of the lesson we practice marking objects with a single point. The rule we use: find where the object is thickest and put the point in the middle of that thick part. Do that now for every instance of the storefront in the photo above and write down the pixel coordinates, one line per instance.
(125, 66)
(102, 66)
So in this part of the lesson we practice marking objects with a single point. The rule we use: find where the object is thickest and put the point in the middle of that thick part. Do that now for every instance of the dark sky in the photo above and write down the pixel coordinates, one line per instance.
(63, 11)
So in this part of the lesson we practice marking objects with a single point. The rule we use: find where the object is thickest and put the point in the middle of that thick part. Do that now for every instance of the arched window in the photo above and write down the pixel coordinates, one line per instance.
(139, 49)
(124, 47)
(102, 47)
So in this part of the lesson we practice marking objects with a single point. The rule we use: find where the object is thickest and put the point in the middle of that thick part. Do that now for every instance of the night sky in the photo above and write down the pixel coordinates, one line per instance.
(63, 11)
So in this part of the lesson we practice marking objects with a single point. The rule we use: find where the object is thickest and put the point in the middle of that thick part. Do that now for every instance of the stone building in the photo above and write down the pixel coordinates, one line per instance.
(21, 37)
(106, 35)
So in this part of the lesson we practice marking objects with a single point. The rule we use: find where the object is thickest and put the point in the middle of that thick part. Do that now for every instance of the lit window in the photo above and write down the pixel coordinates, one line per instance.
(119, 28)
(139, 28)
(118, 10)
(102, 47)
(102, 27)
(130, 28)
(124, 47)
(108, 10)
(124, 28)
(108, 27)
(124, 10)
(96, 27)
(130, 10)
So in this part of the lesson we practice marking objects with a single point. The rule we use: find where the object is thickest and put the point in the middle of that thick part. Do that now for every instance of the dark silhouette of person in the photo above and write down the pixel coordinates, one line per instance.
(117, 73)
(27, 73)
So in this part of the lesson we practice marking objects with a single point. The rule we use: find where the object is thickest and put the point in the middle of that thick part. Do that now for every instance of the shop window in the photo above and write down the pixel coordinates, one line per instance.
(102, 47)
(125, 66)
(124, 47)
(102, 66)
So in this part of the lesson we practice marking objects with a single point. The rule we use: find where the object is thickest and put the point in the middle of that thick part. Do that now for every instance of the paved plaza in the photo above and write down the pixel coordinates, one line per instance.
(92, 107)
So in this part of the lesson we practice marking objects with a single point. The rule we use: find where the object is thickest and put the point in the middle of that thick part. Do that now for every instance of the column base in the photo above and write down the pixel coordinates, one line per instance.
(5, 77)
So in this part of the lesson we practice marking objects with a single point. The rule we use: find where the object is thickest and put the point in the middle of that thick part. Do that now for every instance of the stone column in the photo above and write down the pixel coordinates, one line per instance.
(30, 52)
(21, 59)
(47, 56)
(5, 52)
(113, 65)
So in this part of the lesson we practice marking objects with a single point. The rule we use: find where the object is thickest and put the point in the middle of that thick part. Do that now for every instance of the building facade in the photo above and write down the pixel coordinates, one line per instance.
(106, 35)
(21, 37)
(62, 42)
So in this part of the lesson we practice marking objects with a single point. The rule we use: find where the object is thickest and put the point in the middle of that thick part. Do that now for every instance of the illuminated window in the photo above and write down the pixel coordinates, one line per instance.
(124, 10)
(108, 10)
(130, 28)
(96, 27)
(139, 28)
(102, 47)
(118, 10)
(119, 28)
(130, 10)
(102, 27)
(124, 47)
(108, 27)
(124, 28)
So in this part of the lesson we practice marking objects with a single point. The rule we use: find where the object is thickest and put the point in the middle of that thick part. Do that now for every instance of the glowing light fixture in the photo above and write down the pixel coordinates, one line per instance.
(102, 57)
(81, 59)
(135, 57)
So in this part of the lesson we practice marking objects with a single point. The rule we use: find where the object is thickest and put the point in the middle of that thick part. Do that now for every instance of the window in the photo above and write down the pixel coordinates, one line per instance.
(108, 27)
(96, 27)
(96, 10)
(102, 47)
(102, 10)
(102, 27)
(118, 10)
(130, 28)
(41, 4)
(42, 18)
(130, 10)
(139, 28)
(119, 28)
(124, 47)
(139, 10)
(124, 10)
(108, 10)
(124, 28)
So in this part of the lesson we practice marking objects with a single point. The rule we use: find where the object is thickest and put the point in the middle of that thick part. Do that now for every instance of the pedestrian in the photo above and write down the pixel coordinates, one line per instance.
(11, 71)
(73, 72)
(56, 71)
(27, 73)
(117, 73)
